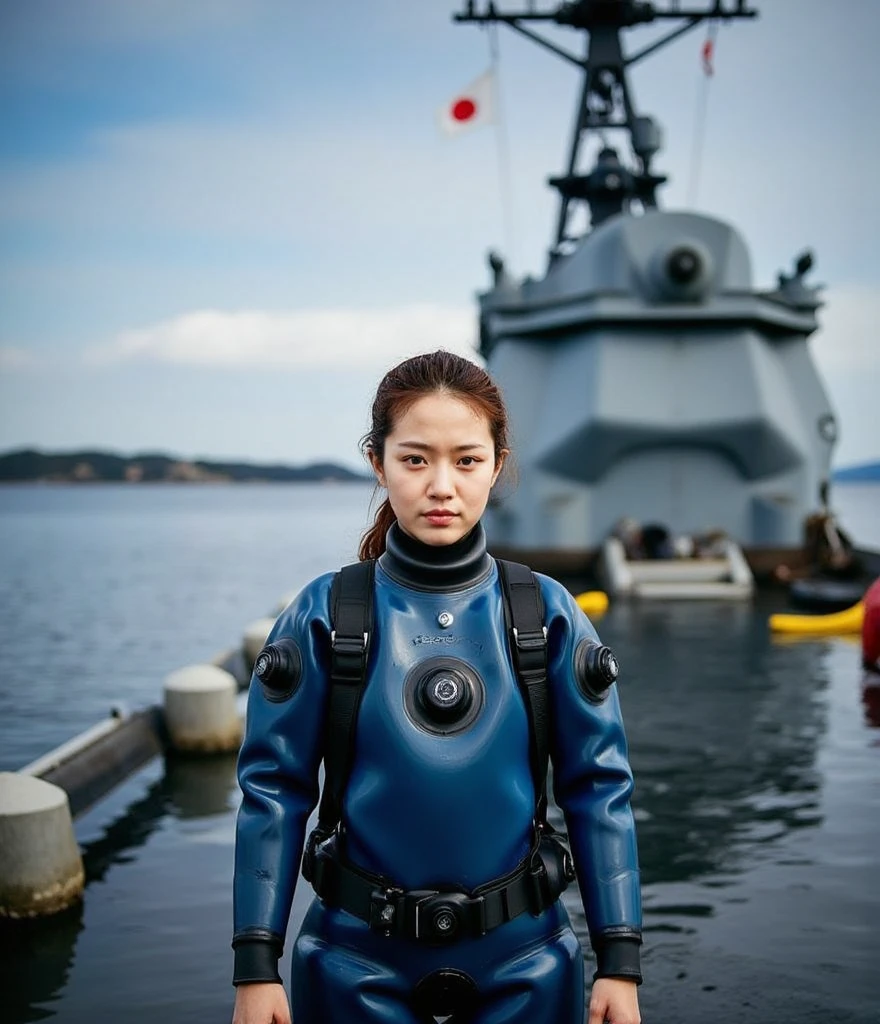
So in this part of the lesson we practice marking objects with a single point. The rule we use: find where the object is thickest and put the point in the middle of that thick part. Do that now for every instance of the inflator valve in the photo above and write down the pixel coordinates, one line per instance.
(597, 668)
(279, 668)
(445, 695)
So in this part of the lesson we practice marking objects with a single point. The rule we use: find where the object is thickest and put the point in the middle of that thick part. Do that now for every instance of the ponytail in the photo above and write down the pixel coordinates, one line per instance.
(373, 541)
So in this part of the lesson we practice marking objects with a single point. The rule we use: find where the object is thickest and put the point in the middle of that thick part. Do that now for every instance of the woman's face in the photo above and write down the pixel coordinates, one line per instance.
(439, 467)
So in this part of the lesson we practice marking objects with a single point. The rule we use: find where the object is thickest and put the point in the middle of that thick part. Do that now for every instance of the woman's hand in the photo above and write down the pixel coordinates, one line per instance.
(614, 1000)
(261, 1003)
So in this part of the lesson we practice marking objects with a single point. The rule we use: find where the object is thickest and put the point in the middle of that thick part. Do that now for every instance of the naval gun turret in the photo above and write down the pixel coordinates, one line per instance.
(645, 375)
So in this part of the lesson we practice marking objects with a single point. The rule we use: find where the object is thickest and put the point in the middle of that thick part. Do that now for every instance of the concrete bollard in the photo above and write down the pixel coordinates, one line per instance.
(41, 871)
(200, 712)
(255, 638)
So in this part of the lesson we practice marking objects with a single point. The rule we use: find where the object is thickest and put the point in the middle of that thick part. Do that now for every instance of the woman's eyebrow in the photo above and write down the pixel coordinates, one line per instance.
(422, 446)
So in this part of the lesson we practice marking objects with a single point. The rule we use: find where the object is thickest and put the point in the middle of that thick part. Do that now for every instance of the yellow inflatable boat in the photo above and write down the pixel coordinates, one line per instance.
(593, 602)
(848, 621)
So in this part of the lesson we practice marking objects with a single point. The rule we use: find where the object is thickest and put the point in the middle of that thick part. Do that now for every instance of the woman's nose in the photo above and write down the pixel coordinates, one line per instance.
(440, 485)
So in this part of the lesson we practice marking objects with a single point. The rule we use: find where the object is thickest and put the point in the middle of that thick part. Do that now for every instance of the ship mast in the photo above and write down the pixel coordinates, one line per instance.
(606, 101)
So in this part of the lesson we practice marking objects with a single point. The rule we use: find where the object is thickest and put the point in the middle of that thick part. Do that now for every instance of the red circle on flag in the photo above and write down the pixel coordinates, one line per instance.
(463, 110)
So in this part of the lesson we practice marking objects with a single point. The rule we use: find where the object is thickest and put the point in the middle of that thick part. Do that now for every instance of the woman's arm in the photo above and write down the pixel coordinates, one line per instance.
(278, 774)
(592, 783)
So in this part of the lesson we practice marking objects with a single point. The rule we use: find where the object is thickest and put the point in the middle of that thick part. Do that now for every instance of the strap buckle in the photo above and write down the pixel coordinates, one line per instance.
(536, 888)
(349, 654)
(551, 871)
(530, 653)
(529, 641)
(349, 644)
(442, 917)
(310, 860)
(385, 905)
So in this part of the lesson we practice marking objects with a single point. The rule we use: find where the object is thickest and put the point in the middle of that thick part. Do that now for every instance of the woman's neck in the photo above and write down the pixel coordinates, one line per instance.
(436, 566)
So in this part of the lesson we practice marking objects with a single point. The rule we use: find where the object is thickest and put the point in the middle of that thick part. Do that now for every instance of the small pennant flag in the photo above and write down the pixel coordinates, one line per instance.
(473, 107)
(708, 55)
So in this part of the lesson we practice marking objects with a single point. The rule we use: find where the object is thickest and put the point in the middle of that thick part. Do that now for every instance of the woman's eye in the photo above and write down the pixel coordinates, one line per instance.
(414, 460)
(467, 460)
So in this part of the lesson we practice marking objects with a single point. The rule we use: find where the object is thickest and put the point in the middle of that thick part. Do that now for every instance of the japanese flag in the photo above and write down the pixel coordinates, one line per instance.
(473, 107)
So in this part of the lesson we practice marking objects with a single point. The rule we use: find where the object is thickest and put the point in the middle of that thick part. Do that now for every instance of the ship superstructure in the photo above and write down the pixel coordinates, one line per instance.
(645, 375)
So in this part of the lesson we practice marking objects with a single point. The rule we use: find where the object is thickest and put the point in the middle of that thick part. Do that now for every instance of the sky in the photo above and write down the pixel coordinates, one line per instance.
(222, 220)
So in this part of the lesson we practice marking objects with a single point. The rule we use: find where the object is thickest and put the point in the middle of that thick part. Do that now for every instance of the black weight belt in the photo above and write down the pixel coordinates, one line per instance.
(435, 916)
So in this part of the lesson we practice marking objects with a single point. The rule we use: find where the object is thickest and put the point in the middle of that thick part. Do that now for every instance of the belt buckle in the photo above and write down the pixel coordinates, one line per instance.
(441, 917)
(384, 909)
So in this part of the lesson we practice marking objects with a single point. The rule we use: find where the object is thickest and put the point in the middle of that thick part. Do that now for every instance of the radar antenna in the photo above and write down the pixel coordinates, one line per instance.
(606, 100)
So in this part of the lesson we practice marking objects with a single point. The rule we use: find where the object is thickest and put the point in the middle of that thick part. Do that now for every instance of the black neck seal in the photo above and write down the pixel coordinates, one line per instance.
(436, 566)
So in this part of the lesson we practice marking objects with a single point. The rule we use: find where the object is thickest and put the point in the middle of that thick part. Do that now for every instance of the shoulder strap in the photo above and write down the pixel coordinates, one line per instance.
(524, 614)
(351, 618)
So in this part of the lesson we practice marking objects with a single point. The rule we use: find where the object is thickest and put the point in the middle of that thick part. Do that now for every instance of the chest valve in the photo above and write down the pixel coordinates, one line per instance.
(443, 695)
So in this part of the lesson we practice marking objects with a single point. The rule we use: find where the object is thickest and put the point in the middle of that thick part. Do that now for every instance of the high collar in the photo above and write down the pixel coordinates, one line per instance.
(436, 567)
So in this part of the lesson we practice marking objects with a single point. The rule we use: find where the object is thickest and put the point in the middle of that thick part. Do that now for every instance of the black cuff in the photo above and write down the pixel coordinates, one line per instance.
(256, 957)
(618, 955)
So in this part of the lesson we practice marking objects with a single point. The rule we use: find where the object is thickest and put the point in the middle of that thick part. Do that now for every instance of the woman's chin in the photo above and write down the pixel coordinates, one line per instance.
(436, 535)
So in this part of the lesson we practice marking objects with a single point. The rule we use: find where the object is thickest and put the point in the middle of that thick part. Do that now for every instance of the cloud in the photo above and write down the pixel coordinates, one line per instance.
(14, 358)
(303, 338)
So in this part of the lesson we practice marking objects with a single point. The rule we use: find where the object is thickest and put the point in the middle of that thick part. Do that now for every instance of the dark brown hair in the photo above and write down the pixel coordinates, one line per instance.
(405, 384)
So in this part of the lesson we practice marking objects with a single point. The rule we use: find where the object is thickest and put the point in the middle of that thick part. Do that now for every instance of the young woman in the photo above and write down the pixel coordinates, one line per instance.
(438, 889)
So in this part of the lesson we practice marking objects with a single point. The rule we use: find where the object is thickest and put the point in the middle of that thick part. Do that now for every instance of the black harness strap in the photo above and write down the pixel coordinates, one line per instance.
(351, 610)
(524, 614)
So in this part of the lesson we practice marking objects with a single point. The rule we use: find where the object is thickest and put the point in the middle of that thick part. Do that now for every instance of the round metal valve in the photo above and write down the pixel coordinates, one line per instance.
(443, 695)
(596, 668)
(279, 668)
(444, 922)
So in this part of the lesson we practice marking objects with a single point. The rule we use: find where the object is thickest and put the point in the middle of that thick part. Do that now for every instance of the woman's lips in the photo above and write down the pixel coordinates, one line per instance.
(439, 518)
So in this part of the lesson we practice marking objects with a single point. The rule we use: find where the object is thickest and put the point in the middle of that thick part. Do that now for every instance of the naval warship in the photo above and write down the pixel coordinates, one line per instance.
(647, 378)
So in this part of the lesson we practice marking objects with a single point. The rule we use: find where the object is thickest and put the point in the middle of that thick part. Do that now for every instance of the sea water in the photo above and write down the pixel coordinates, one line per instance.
(756, 762)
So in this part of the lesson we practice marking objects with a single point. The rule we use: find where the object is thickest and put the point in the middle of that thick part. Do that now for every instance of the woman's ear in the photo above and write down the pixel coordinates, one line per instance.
(376, 463)
(500, 459)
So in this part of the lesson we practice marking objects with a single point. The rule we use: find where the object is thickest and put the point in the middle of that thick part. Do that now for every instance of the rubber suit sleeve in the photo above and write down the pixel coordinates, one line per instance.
(592, 784)
(278, 774)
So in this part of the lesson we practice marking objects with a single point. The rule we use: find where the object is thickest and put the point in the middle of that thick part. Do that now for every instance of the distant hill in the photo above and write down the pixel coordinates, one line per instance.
(30, 465)
(867, 472)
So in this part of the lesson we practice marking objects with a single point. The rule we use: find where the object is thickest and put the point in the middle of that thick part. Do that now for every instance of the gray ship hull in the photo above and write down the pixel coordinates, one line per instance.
(647, 378)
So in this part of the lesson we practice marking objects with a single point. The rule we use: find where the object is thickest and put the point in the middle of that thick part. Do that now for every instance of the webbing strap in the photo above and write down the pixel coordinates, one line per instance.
(351, 605)
(524, 611)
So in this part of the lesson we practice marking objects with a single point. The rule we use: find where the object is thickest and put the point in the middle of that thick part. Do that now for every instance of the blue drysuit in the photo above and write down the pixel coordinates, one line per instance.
(435, 810)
